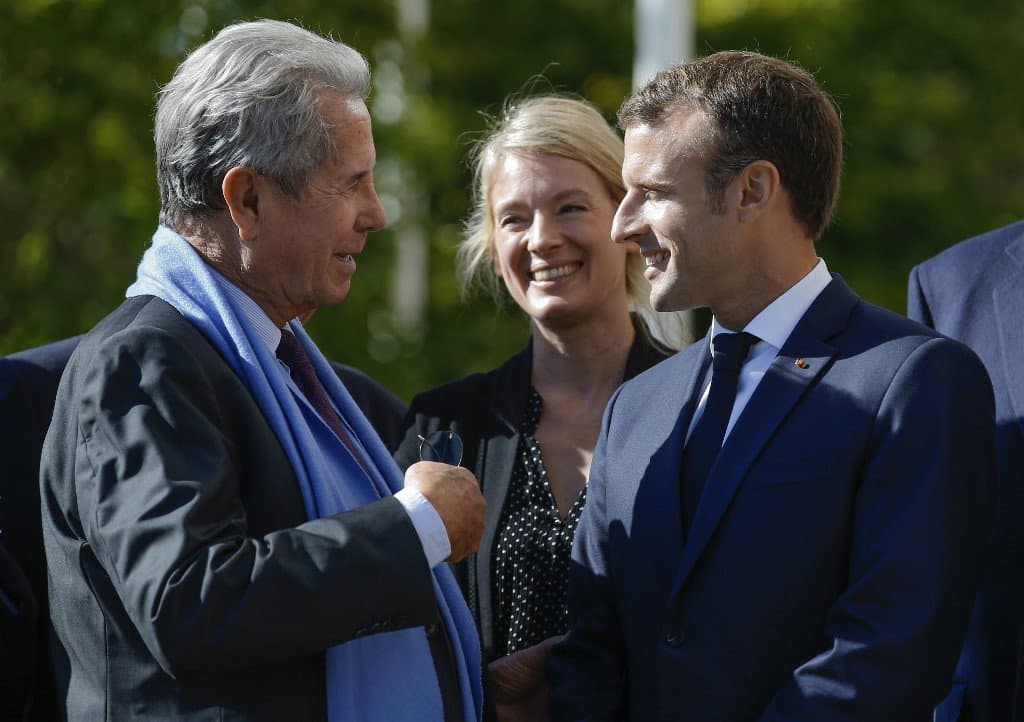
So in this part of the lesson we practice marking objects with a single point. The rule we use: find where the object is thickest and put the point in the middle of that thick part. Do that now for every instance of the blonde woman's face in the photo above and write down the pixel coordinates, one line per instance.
(552, 235)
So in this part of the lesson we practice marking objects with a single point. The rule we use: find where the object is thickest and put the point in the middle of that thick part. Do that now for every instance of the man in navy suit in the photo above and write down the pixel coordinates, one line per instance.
(786, 519)
(974, 292)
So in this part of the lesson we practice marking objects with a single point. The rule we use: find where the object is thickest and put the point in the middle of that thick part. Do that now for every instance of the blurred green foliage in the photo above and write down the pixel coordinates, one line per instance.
(929, 91)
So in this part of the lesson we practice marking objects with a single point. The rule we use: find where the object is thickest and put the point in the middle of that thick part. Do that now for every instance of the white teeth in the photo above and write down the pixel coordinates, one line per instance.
(651, 259)
(550, 274)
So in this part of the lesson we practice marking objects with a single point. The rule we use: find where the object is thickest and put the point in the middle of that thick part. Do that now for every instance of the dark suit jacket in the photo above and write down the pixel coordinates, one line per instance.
(830, 568)
(18, 615)
(486, 411)
(974, 292)
(28, 386)
(185, 582)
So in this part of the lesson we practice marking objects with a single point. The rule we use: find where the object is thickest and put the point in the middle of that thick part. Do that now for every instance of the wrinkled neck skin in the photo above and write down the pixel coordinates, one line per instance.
(216, 240)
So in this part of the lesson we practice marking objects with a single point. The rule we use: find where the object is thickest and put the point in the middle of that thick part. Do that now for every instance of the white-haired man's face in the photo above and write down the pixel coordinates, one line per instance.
(300, 253)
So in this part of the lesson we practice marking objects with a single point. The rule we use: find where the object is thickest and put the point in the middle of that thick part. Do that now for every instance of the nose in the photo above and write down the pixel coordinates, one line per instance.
(544, 235)
(628, 225)
(373, 216)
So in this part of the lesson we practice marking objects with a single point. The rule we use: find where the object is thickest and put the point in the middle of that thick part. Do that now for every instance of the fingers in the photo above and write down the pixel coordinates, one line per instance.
(455, 495)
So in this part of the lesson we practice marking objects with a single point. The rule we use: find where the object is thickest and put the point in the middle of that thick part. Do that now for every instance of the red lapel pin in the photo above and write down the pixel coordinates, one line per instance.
(800, 363)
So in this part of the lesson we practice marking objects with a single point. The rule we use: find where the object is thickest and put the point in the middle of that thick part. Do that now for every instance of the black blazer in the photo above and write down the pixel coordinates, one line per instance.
(28, 386)
(185, 581)
(485, 410)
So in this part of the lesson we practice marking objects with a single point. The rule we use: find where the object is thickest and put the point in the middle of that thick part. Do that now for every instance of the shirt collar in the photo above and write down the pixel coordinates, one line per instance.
(776, 321)
(265, 329)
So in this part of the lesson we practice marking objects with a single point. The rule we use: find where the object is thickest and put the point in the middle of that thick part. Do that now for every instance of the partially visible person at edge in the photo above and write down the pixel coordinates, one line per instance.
(547, 182)
(974, 292)
(225, 534)
(786, 520)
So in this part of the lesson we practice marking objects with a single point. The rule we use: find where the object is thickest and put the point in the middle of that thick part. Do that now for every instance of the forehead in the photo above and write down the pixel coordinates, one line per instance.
(668, 148)
(350, 128)
(539, 175)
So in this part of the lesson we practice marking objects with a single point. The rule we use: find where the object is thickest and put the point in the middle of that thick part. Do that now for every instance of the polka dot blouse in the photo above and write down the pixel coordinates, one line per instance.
(531, 557)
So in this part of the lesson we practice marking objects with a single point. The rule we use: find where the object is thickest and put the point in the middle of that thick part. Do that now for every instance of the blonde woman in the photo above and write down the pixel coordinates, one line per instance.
(547, 183)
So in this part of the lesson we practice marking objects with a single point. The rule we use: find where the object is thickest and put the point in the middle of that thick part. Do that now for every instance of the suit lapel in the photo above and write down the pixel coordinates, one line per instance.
(800, 362)
(1009, 303)
(660, 538)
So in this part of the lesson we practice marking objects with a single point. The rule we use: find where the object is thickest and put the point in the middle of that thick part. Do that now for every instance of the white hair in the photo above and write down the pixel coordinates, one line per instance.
(248, 97)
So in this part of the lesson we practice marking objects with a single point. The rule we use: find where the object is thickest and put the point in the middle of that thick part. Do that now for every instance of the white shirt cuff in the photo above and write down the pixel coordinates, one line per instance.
(428, 524)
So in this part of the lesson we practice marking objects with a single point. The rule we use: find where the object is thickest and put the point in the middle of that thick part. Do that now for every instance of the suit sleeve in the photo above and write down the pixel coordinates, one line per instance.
(159, 498)
(917, 302)
(587, 672)
(921, 518)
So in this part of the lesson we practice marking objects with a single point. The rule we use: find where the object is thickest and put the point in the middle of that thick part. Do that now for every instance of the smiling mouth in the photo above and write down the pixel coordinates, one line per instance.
(550, 274)
(345, 257)
(653, 259)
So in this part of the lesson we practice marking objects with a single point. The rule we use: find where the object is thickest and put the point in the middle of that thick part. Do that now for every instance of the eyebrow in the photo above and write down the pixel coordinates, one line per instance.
(353, 179)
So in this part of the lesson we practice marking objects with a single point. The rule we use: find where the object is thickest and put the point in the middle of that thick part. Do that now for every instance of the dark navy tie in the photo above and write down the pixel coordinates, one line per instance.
(705, 442)
(295, 358)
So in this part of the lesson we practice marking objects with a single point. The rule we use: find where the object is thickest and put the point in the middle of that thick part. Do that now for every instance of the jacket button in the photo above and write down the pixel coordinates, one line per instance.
(674, 639)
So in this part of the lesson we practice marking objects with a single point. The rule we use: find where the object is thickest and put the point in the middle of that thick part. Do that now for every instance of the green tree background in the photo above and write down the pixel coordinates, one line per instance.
(929, 91)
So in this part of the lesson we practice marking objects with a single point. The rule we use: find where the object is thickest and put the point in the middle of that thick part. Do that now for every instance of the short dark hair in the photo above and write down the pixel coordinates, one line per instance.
(760, 108)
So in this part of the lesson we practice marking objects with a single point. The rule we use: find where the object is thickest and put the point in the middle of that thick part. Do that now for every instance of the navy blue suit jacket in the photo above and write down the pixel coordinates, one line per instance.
(28, 385)
(974, 292)
(831, 564)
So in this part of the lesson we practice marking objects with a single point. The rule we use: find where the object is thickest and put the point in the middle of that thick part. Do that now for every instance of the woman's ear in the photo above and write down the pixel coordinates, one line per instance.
(240, 188)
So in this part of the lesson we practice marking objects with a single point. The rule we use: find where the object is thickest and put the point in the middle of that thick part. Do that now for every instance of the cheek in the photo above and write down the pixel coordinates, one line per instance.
(506, 258)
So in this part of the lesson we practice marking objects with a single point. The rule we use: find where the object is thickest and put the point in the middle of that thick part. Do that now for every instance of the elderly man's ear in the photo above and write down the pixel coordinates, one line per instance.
(241, 188)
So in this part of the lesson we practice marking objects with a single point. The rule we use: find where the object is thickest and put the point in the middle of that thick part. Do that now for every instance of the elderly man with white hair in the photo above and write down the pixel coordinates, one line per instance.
(226, 536)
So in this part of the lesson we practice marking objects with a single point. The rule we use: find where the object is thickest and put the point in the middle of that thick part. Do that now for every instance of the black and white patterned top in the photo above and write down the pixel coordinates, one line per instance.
(531, 557)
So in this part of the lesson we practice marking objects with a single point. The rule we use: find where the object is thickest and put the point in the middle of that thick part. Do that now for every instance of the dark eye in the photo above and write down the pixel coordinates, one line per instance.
(650, 195)
(506, 221)
(572, 208)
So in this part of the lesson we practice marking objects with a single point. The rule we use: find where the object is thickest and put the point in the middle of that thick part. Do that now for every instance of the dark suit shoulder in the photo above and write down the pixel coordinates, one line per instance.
(673, 369)
(48, 359)
(462, 399)
(383, 409)
(138, 324)
(972, 263)
(886, 325)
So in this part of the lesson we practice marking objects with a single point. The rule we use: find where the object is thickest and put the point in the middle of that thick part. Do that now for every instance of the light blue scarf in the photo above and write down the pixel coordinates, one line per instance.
(378, 677)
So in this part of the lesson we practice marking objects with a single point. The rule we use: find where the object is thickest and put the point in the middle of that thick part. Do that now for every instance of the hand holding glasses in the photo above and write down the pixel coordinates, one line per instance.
(442, 446)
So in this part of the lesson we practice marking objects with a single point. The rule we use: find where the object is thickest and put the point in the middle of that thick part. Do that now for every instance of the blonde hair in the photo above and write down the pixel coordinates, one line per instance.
(568, 128)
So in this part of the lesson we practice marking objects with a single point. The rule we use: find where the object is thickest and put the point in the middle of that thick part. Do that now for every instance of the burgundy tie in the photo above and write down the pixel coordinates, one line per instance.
(294, 356)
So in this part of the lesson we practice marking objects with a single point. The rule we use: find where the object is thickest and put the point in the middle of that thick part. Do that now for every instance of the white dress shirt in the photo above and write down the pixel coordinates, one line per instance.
(772, 327)
(425, 519)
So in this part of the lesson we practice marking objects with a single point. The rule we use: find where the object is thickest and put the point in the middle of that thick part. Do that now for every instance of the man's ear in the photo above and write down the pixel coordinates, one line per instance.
(241, 195)
(758, 186)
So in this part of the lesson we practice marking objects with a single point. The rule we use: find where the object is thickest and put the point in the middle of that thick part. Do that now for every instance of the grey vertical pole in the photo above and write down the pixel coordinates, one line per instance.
(664, 36)
(409, 289)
